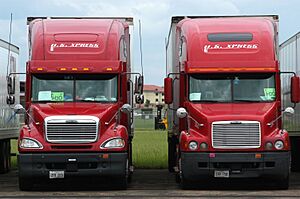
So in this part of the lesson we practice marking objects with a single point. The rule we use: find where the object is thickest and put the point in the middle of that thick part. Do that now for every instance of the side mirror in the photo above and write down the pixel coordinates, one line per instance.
(10, 99)
(126, 108)
(181, 113)
(139, 85)
(289, 111)
(139, 99)
(168, 90)
(19, 109)
(295, 89)
(11, 85)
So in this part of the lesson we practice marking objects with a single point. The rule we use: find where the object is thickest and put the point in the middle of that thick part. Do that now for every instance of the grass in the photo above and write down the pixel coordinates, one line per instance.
(143, 124)
(149, 149)
(14, 149)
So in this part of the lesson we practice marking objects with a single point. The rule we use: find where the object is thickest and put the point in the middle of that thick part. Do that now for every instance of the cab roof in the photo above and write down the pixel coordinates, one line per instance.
(76, 38)
(229, 41)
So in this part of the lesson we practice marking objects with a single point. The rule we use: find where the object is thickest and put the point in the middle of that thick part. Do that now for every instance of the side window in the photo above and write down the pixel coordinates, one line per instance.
(182, 50)
(123, 50)
(12, 64)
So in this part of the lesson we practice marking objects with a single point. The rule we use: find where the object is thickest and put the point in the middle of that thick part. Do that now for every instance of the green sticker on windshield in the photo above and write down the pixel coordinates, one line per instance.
(57, 96)
(269, 93)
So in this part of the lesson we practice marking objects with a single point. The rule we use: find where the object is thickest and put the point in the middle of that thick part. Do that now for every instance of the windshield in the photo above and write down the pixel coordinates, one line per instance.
(232, 87)
(74, 87)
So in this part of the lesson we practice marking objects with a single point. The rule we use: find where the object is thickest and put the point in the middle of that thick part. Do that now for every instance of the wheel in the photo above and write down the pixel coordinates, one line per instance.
(177, 177)
(185, 183)
(25, 184)
(172, 157)
(282, 183)
(4, 156)
(122, 182)
(8, 162)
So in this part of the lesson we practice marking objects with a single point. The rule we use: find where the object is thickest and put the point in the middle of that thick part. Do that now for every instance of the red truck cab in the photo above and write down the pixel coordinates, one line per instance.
(78, 101)
(224, 81)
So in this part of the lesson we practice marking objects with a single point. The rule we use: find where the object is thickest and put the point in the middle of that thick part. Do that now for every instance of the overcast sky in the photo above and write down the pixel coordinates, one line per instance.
(155, 16)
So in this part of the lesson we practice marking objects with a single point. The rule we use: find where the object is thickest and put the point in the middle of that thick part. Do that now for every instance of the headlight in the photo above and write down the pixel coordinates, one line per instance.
(279, 145)
(113, 143)
(193, 145)
(28, 143)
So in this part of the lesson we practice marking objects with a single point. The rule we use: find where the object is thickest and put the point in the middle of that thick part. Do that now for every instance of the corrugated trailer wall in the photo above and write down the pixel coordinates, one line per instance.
(289, 56)
(9, 128)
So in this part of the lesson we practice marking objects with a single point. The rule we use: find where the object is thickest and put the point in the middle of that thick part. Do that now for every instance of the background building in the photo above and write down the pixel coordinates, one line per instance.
(153, 95)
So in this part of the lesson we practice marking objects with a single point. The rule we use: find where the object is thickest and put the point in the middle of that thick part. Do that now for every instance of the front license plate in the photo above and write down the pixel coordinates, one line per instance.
(221, 174)
(56, 174)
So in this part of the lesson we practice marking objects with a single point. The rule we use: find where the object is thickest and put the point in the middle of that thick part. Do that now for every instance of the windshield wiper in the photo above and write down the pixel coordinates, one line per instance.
(207, 101)
(242, 100)
(44, 101)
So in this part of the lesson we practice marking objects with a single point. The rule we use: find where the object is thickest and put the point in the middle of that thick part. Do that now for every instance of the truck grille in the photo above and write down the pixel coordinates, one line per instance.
(236, 134)
(71, 129)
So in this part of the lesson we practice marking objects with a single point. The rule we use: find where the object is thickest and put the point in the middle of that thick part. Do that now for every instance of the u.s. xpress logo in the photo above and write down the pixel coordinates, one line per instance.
(73, 45)
(225, 47)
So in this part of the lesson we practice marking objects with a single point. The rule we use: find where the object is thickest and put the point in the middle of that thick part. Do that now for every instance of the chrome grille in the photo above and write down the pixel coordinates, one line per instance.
(236, 134)
(71, 129)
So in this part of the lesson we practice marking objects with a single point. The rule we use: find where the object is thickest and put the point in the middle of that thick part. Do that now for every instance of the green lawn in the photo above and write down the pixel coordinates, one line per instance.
(143, 124)
(14, 149)
(149, 149)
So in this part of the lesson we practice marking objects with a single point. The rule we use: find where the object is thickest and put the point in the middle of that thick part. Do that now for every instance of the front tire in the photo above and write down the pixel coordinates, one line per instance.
(25, 184)
(172, 154)
(5, 156)
(122, 182)
(282, 183)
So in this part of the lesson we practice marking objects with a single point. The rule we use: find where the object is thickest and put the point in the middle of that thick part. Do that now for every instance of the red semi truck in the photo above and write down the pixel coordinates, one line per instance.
(224, 96)
(79, 97)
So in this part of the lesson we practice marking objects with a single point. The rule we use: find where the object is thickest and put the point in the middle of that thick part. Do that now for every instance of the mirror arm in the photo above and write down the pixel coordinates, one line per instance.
(111, 119)
(199, 124)
(172, 74)
(10, 74)
(131, 73)
(270, 124)
(287, 72)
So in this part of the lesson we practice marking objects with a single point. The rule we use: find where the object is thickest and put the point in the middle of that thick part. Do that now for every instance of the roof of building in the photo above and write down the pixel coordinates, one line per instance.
(153, 88)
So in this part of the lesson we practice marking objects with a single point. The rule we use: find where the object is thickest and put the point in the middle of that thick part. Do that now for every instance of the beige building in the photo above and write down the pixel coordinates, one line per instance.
(153, 95)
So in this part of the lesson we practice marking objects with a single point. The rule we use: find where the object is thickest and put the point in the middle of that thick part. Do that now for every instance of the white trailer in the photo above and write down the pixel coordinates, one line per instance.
(9, 126)
(289, 56)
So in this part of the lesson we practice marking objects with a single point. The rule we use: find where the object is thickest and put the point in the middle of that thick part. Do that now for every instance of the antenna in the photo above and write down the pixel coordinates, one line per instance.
(9, 43)
(141, 51)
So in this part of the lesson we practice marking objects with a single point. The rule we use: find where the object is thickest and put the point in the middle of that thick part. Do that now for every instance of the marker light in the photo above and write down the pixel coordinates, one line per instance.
(203, 145)
(39, 69)
(109, 69)
(63, 69)
(269, 145)
(86, 69)
(74, 69)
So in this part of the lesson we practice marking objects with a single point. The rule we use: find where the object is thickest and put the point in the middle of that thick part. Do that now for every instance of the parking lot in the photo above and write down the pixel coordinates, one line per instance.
(151, 184)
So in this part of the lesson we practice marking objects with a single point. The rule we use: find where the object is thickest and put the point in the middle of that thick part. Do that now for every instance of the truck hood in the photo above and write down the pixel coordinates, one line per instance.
(50, 109)
(236, 111)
